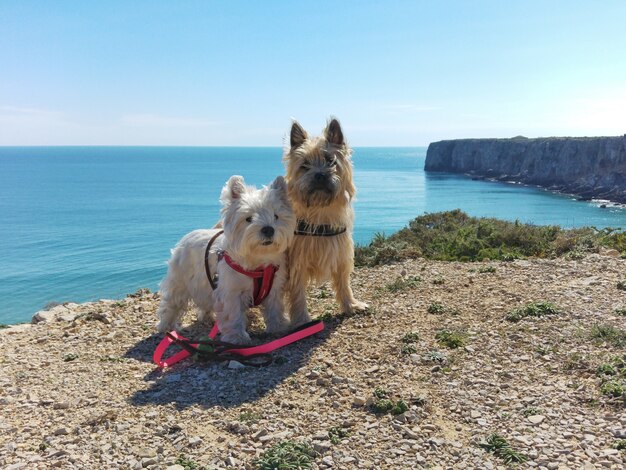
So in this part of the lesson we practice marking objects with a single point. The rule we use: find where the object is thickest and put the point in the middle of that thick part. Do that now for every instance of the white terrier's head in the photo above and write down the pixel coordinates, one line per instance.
(258, 223)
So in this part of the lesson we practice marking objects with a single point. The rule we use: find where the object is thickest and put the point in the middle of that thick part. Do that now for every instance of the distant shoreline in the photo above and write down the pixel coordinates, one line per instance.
(587, 167)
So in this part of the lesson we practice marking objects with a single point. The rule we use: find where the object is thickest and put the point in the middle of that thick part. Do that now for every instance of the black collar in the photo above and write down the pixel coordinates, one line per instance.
(305, 228)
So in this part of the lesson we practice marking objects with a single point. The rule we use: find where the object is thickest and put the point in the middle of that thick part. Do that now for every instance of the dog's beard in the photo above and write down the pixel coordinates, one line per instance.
(311, 194)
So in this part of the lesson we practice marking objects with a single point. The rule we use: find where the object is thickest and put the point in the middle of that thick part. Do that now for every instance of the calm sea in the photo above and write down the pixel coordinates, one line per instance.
(83, 223)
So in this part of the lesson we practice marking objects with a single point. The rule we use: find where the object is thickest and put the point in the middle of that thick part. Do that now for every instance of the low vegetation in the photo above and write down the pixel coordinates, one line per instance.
(608, 334)
(455, 236)
(287, 455)
(533, 309)
(450, 339)
(383, 403)
(337, 433)
(403, 283)
(499, 446)
(408, 343)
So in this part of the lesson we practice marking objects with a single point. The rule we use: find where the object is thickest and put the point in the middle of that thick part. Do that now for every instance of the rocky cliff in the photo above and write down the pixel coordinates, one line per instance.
(590, 167)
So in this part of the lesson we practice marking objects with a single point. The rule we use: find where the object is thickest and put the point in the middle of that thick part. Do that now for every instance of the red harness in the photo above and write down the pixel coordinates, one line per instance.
(262, 277)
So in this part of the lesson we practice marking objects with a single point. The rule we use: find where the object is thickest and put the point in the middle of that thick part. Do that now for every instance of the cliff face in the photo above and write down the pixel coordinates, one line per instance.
(585, 166)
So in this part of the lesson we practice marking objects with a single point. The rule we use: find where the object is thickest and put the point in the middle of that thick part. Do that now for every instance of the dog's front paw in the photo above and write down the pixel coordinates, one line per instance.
(236, 338)
(356, 306)
(166, 326)
(277, 326)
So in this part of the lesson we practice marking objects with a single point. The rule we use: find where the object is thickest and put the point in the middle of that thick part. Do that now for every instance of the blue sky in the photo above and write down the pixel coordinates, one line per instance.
(235, 72)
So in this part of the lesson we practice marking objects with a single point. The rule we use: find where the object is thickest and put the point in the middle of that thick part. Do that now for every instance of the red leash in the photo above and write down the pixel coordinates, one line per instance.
(226, 351)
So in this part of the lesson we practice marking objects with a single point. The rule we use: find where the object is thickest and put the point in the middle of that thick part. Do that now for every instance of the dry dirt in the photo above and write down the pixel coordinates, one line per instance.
(79, 390)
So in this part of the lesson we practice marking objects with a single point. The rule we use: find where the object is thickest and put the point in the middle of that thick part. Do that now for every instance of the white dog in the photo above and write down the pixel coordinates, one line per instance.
(258, 227)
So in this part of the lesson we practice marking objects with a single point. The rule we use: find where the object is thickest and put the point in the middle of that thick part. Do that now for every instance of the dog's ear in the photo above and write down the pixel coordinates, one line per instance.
(233, 189)
(280, 185)
(297, 136)
(333, 133)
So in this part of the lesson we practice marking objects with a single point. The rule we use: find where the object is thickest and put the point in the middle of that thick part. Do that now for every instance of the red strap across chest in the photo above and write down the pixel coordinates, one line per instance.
(262, 278)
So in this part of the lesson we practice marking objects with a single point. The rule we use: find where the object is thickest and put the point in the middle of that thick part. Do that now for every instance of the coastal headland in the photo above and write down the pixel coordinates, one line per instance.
(588, 167)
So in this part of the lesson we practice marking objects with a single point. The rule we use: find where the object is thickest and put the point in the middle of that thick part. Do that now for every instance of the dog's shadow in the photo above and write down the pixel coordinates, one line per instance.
(214, 384)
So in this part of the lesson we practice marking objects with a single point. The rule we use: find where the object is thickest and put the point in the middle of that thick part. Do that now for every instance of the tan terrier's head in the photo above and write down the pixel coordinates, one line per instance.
(319, 169)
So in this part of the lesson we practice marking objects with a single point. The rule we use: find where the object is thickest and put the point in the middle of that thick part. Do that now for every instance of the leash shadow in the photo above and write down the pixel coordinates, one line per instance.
(214, 384)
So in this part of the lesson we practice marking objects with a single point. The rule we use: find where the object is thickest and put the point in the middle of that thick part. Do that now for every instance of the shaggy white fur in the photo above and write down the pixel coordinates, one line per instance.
(258, 227)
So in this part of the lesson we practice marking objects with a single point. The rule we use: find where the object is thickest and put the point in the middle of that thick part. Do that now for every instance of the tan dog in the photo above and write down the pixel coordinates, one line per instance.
(320, 187)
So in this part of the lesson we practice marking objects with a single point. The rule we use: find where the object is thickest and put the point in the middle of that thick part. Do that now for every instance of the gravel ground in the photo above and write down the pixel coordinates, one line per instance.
(78, 389)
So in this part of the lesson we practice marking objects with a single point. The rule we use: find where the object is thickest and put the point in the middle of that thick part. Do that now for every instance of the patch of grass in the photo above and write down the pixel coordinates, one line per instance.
(619, 444)
(606, 369)
(399, 407)
(408, 346)
(187, 463)
(402, 283)
(618, 311)
(337, 433)
(323, 293)
(608, 334)
(450, 339)
(439, 281)
(613, 388)
(436, 308)
(533, 309)
(435, 356)
(43, 446)
(621, 285)
(498, 446)
(455, 236)
(380, 392)
(286, 455)
(249, 417)
(411, 337)
(575, 361)
(382, 406)
(487, 269)
(70, 357)
(3, 325)
(531, 411)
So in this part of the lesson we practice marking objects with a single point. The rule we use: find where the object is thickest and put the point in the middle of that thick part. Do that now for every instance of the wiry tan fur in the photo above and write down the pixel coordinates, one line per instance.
(320, 187)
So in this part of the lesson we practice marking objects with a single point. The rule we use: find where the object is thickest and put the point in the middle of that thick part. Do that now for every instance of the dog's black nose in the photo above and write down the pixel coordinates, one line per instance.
(320, 177)
(267, 231)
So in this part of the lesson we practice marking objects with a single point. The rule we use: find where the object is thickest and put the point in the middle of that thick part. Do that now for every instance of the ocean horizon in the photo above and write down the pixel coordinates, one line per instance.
(80, 223)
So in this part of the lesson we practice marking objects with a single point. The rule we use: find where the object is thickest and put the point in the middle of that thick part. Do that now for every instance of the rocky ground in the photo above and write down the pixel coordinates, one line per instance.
(78, 389)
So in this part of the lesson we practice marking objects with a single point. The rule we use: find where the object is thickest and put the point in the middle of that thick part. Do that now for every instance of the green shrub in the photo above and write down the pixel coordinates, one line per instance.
(533, 309)
(337, 433)
(613, 388)
(609, 334)
(286, 455)
(402, 283)
(450, 339)
(499, 447)
(455, 236)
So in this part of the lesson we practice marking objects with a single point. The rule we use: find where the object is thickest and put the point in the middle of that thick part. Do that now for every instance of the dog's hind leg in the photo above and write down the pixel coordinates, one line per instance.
(174, 302)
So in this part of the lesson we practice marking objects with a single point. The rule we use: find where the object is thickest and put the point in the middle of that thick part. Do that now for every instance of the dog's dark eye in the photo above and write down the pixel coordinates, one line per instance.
(305, 166)
(248, 219)
(331, 160)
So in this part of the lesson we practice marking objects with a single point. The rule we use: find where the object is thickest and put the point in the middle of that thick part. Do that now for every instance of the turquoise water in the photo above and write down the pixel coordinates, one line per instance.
(83, 223)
